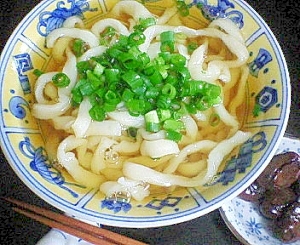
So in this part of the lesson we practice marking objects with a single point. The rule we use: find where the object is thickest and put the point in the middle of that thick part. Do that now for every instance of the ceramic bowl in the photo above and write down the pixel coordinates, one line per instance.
(266, 114)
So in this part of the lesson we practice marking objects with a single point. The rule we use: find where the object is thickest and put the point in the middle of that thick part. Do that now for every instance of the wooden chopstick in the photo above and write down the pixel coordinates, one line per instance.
(87, 232)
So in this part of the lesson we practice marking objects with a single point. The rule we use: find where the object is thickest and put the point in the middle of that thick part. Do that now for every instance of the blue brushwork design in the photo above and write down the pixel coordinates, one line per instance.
(23, 64)
(223, 9)
(254, 227)
(262, 59)
(49, 21)
(17, 107)
(41, 165)
(265, 100)
(243, 160)
(158, 204)
(116, 205)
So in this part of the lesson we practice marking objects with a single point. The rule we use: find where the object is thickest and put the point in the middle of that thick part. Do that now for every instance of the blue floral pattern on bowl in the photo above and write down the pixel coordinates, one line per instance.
(48, 21)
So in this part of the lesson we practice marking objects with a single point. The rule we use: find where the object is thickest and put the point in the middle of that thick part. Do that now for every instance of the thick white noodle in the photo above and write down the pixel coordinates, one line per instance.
(101, 25)
(73, 21)
(44, 109)
(98, 160)
(203, 146)
(136, 189)
(69, 161)
(155, 30)
(132, 8)
(158, 148)
(153, 50)
(104, 128)
(239, 97)
(85, 35)
(126, 119)
(161, 134)
(70, 69)
(229, 27)
(183, 50)
(49, 111)
(167, 15)
(40, 86)
(63, 123)
(83, 120)
(191, 130)
(226, 117)
(223, 148)
(96, 51)
(126, 147)
(139, 172)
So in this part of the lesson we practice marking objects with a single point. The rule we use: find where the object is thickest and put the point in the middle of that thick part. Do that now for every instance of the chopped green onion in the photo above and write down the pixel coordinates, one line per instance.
(172, 124)
(132, 132)
(86, 89)
(127, 95)
(182, 8)
(129, 61)
(112, 75)
(144, 59)
(178, 60)
(93, 79)
(98, 69)
(112, 98)
(169, 90)
(161, 89)
(107, 107)
(61, 80)
(173, 135)
(107, 35)
(79, 47)
(152, 92)
(83, 67)
(163, 102)
(97, 113)
(152, 121)
(77, 97)
(144, 23)
(136, 38)
(214, 119)
(167, 41)
(38, 72)
(192, 47)
(136, 107)
(164, 114)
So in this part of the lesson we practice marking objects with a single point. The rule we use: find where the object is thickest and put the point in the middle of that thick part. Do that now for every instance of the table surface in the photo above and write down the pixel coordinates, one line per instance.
(283, 18)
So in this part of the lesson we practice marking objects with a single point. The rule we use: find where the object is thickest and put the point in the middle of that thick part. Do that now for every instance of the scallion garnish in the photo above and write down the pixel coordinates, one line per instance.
(167, 39)
(182, 7)
(79, 47)
(161, 89)
(38, 72)
(61, 80)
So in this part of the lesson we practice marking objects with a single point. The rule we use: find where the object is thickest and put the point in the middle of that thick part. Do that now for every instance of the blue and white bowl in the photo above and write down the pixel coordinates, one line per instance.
(265, 116)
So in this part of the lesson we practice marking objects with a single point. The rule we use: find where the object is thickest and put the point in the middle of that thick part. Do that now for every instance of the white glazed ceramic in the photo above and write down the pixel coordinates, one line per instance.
(268, 95)
(243, 218)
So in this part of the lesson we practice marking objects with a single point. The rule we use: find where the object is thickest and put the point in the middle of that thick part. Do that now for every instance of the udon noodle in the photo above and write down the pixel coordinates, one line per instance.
(102, 154)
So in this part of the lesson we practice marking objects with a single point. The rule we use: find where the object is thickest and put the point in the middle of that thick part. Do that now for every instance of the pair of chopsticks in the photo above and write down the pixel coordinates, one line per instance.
(80, 229)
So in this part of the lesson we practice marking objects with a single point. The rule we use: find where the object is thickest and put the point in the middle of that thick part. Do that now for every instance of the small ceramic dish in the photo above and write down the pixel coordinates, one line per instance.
(244, 219)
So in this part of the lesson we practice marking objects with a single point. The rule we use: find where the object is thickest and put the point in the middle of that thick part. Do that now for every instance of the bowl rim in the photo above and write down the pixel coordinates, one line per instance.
(170, 218)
